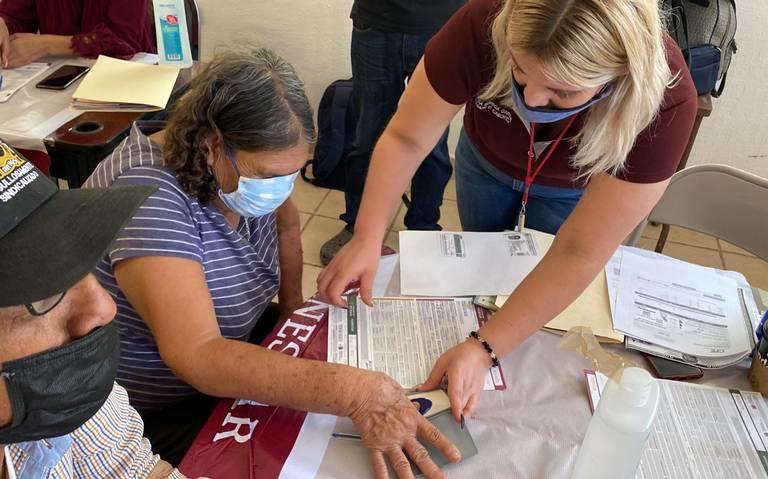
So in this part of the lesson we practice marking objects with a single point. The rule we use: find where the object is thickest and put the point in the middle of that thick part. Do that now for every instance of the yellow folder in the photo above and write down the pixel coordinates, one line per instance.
(120, 85)
(590, 309)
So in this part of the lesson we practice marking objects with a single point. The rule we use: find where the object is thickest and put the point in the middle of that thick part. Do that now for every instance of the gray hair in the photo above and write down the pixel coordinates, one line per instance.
(252, 98)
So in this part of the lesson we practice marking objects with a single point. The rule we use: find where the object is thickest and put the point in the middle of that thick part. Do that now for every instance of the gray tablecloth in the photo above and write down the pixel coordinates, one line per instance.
(531, 430)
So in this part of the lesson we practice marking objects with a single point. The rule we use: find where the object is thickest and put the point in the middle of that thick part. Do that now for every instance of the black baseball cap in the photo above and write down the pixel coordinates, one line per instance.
(49, 238)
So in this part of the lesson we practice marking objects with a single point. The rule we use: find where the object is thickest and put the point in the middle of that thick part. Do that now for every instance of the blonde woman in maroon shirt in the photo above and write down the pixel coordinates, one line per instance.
(32, 29)
(577, 113)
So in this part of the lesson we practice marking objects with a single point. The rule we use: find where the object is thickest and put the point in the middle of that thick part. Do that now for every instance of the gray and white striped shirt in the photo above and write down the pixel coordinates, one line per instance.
(241, 267)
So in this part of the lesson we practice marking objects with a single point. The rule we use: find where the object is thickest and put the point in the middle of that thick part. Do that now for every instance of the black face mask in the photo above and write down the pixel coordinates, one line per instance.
(54, 392)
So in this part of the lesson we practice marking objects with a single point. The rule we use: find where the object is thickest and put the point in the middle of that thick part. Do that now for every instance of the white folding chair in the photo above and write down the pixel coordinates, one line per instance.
(716, 200)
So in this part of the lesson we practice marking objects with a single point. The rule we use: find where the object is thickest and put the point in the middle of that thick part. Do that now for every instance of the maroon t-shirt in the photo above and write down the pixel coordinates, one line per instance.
(460, 62)
(118, 28)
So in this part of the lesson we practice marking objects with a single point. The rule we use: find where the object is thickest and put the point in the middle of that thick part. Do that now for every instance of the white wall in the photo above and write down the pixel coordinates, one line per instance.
(737, 131)
(313, 35)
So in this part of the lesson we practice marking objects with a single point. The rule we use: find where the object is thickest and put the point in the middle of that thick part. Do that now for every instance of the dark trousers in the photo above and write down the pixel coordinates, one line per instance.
(172, 430)
(381, 62)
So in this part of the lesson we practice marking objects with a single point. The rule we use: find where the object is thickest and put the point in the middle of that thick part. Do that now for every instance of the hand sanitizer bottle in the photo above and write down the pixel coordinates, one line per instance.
(619, 429)
(172, 35)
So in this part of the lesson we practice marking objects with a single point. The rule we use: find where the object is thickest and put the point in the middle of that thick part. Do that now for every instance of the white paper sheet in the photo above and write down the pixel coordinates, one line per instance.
(704, 433)
(653, 261)
(445, 263)
(402, 337)
(14, 79)
(686, 308)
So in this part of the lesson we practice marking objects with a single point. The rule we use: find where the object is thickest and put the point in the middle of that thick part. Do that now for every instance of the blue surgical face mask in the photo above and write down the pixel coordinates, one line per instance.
(257, 196)
(531, 114)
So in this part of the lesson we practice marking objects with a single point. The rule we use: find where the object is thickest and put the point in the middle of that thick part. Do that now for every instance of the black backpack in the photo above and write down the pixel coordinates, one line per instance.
(336, 124)
(705, 31)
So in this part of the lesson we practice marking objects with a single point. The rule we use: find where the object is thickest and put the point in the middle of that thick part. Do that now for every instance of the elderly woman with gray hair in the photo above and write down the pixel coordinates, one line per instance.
(200, 261)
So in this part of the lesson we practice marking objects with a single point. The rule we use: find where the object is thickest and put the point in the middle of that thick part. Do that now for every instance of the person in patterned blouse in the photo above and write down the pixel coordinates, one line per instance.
(62, 415)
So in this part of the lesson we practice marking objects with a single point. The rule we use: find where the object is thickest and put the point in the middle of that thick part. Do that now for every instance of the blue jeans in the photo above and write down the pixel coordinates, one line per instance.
(489, 200)
(381, 61)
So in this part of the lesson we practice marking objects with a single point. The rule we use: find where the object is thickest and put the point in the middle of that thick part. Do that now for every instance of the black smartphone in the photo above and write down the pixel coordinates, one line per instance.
(666, 369)
(62, 77)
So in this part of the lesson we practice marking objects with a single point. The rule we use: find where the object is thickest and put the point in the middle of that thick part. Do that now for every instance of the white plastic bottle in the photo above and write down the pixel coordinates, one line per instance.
(172, 35)
(619, 429)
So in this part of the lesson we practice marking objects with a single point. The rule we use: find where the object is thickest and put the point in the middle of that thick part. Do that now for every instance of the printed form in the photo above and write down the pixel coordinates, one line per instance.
(655, 261)
(403, 337)
(702, 432)
(678, 306)
(14, 79)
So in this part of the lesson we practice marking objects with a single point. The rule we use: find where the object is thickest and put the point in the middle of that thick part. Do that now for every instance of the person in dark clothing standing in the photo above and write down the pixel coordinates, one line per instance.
(388, 40)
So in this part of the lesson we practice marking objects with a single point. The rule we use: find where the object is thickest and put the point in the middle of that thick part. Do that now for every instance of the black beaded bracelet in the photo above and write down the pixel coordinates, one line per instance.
(488, 348)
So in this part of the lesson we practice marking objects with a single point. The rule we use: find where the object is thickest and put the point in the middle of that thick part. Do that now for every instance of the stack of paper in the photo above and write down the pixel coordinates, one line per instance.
(120, 85)
(590, 309)
(681, 311)
(701, 432)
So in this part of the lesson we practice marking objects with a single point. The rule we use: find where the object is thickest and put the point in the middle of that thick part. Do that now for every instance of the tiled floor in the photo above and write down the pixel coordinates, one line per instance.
(320, 209)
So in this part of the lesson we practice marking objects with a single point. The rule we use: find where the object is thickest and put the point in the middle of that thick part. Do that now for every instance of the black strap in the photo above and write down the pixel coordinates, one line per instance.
(682, 19)
(304, 172)
(719, 90)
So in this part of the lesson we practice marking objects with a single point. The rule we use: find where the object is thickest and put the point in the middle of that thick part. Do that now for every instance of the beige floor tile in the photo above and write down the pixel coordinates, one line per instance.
(333, 205)
(755, 269)
(307, 197)
(450, 191)
(652, 231)
(449, 216)
(647, 243)
(398, 224)
(730, 248)
(309, 280)
(691, 238)
(393, 240)
(304, 217)
(316, 233)
(692, 254)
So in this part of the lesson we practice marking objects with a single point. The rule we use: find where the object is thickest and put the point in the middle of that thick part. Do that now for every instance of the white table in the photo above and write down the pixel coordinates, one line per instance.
(32, 114)
(533, 429)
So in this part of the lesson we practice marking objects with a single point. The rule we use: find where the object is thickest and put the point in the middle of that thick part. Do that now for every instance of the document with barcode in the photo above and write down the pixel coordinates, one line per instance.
(702, 432)
(403, 337)
(457, 263)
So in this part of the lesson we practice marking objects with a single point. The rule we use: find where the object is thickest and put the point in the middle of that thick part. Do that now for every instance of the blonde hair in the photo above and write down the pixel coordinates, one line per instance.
(588, 43)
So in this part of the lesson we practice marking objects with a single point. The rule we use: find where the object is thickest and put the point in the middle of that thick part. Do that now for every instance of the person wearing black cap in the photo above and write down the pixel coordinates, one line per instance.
(61, 413)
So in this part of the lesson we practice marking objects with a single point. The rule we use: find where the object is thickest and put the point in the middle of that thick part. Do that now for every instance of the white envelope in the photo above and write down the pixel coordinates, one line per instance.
(451, 263)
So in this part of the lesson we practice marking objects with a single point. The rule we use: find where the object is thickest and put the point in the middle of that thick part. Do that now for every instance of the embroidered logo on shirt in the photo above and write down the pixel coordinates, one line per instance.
(497, 111)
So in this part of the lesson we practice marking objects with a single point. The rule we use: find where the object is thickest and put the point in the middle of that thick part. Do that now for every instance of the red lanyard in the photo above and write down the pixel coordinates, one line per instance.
(530, 177)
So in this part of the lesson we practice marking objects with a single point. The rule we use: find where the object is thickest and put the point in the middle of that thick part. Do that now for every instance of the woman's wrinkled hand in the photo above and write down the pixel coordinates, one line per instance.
(391, 427)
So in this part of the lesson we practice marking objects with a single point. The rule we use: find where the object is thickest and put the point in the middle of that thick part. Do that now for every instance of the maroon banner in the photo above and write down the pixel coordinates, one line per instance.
(247, 440)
